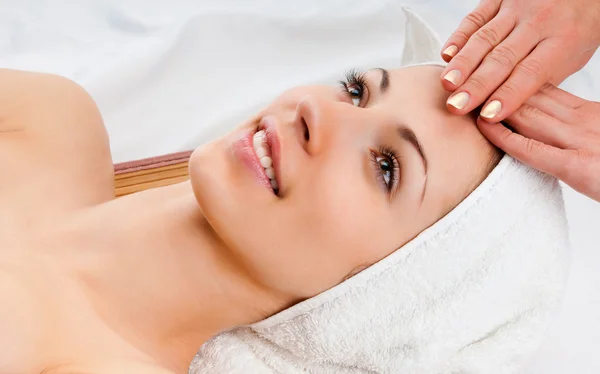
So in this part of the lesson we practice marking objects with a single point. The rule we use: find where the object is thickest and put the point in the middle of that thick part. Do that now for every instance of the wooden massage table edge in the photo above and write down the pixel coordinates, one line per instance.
(143, 174)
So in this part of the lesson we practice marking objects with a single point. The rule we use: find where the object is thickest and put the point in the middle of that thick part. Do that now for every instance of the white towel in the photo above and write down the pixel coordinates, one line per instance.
(474, 293)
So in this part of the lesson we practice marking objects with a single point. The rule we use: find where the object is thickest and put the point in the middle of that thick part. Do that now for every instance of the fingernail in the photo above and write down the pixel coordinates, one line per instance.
(450, 51)
(492, 109)
(459, 100)
(453, 77)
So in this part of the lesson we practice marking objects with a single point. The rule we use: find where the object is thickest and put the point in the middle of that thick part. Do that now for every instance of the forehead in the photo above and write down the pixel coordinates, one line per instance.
(416, 96)
(420, 88)
(458, 154)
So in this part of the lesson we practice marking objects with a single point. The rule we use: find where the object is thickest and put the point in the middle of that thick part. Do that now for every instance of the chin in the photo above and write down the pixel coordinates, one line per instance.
(220, 192)
(233, 202)
(209, 173)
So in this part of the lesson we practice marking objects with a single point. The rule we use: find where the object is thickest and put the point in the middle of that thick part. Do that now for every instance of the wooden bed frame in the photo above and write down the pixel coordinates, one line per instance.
(135, 176)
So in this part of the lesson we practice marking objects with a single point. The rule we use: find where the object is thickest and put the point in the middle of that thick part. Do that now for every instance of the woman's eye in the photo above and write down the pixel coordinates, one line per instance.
(355, 88)
(386, 168)
(355, 92)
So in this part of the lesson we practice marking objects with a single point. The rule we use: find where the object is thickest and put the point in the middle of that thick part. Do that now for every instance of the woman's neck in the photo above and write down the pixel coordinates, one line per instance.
(157, 275)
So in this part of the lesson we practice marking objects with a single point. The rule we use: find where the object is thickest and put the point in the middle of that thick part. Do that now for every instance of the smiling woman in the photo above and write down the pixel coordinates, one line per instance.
(322, 184)
(348, 162)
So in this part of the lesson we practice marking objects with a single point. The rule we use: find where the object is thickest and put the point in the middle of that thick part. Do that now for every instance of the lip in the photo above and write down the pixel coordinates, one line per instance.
(244, 151)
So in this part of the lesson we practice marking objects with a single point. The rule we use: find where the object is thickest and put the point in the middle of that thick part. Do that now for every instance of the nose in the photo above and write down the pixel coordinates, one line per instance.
(309, 123)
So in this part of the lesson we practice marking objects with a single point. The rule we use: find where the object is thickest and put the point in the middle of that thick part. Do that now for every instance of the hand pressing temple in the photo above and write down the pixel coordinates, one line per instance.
(505, 50)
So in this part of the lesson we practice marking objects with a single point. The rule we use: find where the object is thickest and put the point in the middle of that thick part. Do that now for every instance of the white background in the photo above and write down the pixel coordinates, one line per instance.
(159, 94)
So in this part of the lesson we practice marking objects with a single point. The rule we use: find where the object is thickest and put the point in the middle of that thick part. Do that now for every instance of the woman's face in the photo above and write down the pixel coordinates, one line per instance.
(359, 170)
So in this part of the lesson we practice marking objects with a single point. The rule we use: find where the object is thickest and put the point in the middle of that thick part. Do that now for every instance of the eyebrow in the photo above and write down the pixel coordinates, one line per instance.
(404, 132)
(409, 135)
(385, 80)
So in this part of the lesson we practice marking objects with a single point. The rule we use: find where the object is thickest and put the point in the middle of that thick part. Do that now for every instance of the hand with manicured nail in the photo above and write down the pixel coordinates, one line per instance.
(505, 50)
(557, 133)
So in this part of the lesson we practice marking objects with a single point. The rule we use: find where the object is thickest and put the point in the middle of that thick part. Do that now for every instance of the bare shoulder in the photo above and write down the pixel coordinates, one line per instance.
(54, 149)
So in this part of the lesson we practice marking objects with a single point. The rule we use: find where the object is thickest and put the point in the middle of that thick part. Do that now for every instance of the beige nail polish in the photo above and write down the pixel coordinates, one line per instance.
(492, 109)
(450, 51)
(453, 77)
(460, 100)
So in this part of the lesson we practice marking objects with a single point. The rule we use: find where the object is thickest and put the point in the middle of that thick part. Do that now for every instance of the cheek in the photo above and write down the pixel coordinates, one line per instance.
(333, 224)
(351, 216)
(312, 239)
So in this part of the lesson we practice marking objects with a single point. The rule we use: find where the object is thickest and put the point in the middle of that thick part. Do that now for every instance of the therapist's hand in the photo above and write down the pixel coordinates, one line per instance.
(557, 133)
(505, 50)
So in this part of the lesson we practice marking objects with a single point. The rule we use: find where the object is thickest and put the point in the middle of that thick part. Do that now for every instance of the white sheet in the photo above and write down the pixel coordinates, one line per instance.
(169, 75)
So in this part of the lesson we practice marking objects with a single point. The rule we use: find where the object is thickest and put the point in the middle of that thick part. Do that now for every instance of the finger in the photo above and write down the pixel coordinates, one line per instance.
(534, 123)
(536, 154)
(478, 46)
(496, 68)
(526, 79)
(485, 11)
(563, 97)
(551, 106)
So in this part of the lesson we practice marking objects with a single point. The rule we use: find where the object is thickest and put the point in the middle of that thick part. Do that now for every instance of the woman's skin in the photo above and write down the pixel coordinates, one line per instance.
(135, 285)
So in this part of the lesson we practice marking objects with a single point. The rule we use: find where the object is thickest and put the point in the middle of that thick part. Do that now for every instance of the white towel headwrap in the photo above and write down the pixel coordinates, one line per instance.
(473, 293)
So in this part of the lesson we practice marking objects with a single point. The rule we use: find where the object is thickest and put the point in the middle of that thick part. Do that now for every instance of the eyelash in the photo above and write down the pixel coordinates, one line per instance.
(354, 78)
(389, 154)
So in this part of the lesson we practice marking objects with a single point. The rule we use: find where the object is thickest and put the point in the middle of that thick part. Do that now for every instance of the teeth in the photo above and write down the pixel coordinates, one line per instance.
(261, 148)
(270, 173)
(257, 142)
(266, 162)
(258, 139)
(260, 152)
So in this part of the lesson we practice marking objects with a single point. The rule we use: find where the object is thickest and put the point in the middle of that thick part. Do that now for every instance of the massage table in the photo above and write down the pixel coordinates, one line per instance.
(171, 75)
(139, 175)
